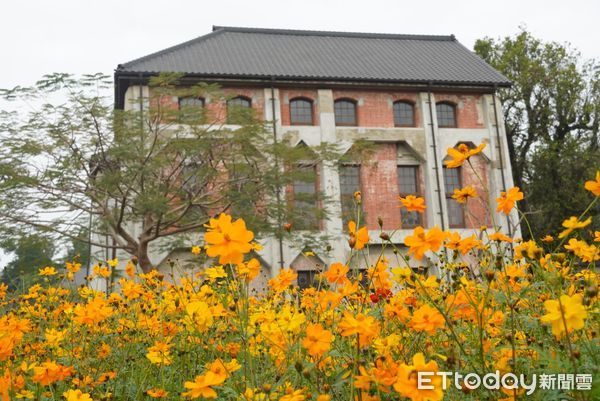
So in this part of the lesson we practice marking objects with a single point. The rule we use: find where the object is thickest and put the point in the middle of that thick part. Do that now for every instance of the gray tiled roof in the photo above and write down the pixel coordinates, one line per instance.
(312, 55)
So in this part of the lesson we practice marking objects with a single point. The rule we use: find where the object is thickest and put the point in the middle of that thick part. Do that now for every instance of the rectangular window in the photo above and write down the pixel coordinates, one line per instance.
(305, 198)
(452, 181)
(307, 279)
(408, 184)
(349, 184)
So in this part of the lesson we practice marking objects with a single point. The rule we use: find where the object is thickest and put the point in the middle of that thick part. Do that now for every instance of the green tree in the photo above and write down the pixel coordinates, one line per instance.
(552, 117)
(30, 253)
(155, 174)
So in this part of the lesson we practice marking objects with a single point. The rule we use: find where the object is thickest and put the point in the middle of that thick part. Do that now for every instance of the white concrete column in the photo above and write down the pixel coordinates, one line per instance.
(432, 200)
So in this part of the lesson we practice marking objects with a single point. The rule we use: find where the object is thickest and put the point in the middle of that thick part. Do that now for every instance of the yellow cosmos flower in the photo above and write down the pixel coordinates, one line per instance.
(47, 271)
(227, 239)
(199, 315)
(572, 223)
(159, 353)
(507, 200)
(76, 395)
(568, 313)
(196, 250)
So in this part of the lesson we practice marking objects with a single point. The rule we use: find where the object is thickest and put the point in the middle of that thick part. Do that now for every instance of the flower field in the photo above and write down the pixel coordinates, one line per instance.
(523, 307)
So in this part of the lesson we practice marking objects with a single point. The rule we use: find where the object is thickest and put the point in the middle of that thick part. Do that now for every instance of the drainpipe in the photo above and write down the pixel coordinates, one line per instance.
(435, 159)
(499, 146)
(278, 189)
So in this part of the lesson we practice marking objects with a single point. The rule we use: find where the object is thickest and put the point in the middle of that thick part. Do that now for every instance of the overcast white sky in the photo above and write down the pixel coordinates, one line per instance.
(86, 36)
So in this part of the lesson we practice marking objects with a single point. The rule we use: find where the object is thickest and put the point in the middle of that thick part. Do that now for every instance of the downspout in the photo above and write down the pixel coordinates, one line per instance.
(498, 144)
(435, 159)
(278, 189)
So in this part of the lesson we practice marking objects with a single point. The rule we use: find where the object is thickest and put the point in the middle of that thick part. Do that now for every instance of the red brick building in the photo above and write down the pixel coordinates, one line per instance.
(413, 96)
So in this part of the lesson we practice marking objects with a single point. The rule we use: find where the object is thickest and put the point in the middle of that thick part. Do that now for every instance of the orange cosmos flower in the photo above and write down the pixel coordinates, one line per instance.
(227, 239)
(463, 194)
(407, 382)
(50, 372)
(500, 237)
(337, 273)
(157, 393)
(249, 270)
(360, 237)
(465, 245)
(507, 200)
(317, 340)
(366, 327)
(283, 280)
(461, 154)
(421, 242)
(413, 203)
(427, 319)
(594, 186)
(201, 386)
(93, 312)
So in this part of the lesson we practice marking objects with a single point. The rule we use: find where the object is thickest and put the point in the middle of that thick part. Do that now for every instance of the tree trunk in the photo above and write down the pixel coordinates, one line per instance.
(143, 258)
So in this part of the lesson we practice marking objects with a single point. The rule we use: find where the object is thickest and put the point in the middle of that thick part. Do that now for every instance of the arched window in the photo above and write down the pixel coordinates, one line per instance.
(345, 112)
(446, 115)
(190, 102)
(191, 109)
(301, 111)
(236, 108)
(404, 114)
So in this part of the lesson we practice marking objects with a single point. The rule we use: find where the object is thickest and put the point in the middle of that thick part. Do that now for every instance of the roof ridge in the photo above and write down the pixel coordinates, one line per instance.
(366, 35)
(171, 49)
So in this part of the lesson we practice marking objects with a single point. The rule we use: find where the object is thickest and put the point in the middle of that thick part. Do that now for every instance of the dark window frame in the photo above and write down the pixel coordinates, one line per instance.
(230, 103)
(449, 198)
(418, 189)
(311, 225)
(312, 110)
(412, 106)
(349, 197)
(355, 106)
(185, 98)
(454, 113)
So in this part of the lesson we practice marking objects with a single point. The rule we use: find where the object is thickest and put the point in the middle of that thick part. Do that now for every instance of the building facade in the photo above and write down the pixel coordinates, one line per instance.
(412, 97)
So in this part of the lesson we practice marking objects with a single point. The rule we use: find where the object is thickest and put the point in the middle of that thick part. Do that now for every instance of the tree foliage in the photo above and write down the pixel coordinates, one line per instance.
(30, 252)
(154, 173)
(552, 117)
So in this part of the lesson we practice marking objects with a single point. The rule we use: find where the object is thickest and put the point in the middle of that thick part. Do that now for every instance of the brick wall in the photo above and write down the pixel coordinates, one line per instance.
(467, 113)
(379, 183)
(375, 109)
(477, 213)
